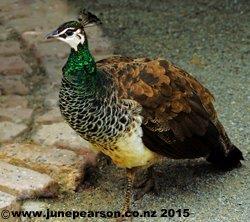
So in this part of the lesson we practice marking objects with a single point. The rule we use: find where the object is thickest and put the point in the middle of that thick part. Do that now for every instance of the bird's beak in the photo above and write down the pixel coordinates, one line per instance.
(52, 34)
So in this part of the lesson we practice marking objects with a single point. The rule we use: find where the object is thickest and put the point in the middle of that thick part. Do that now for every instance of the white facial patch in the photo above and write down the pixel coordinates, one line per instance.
(74, 39)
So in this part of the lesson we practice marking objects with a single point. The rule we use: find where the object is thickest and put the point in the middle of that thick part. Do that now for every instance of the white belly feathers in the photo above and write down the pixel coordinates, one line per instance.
(131, 151)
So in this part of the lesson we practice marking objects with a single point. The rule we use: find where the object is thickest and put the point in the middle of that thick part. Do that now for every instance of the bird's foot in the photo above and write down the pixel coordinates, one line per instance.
(145, 187)
(148, 184)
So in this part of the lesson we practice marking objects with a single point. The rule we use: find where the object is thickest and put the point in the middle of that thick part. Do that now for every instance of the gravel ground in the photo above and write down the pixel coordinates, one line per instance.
(211, 40)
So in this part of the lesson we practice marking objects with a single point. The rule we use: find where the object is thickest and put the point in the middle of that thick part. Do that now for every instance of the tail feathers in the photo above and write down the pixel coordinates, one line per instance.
(226, 161)
(225, 155)
(234, 156)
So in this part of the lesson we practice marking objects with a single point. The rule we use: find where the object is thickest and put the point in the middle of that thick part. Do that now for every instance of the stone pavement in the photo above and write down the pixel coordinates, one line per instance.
(39, 152)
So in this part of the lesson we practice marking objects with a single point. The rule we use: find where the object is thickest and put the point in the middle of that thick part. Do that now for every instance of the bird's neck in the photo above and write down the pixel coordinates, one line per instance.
(80, 68)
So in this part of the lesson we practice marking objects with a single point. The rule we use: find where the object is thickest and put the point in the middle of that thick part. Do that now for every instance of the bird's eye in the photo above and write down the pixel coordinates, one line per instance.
(69, 32)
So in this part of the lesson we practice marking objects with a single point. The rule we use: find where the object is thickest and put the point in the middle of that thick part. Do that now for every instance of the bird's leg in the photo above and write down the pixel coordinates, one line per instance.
(147, 184)
(128, 195)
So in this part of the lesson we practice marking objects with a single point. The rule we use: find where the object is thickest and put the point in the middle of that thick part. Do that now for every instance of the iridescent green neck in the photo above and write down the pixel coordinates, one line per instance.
(80, 68)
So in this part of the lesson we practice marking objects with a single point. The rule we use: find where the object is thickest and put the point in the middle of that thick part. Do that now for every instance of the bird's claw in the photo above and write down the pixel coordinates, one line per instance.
(146, 186)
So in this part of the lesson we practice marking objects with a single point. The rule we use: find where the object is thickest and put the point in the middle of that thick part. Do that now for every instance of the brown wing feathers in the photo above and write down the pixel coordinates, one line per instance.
(162, 89)
(179, 118)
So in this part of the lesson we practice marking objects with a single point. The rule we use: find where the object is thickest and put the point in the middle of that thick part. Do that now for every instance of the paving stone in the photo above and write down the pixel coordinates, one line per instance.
(13, 101)
(61, 135)
(13, 65)
(8, 202)
(52, 49)
(51, 92)
(16, 114)
(51, 99)
(35, 23)
(51, 116)
(39, 15)
(4, 3)
(12, 85)
(32, 38)
(33, 205)
(4, 33)
(13, 9)
(9, 130)
(64, 166)
(10, 48)
(25, 183)
(53, 67)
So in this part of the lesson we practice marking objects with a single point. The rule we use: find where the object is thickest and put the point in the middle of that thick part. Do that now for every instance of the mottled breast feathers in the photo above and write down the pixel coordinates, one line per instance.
(174, 103)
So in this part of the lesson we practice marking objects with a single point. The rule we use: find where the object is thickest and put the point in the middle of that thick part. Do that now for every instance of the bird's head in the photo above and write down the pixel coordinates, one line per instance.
(73, 32)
